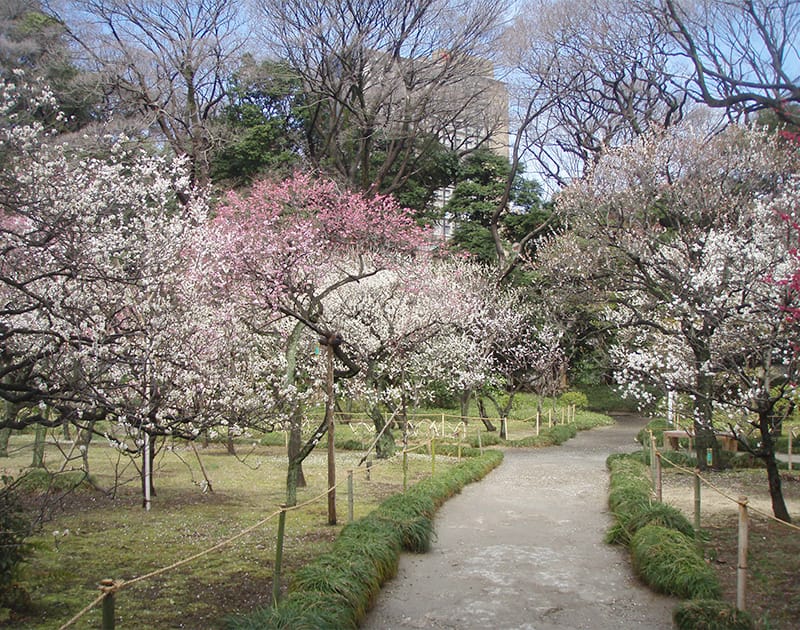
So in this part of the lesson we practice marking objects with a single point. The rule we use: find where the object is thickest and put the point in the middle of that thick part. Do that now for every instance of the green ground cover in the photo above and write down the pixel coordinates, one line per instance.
(102, 531)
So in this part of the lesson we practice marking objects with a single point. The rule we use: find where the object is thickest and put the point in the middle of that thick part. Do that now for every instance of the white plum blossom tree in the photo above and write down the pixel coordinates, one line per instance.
(101, 317)
(681, 232)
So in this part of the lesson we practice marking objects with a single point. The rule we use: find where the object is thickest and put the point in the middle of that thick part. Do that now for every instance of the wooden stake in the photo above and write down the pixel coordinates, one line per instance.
(109, 620)
(350, 497)
(329, 421)
(658, 477)
(697, 503)
(276, 576)
(741, 568)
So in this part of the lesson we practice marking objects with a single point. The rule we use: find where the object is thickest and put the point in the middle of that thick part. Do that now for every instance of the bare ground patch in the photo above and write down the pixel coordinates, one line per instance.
(773, 579)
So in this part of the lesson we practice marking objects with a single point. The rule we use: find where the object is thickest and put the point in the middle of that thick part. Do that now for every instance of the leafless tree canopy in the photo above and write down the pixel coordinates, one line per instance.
(166, 61)
(393, 73)
(588, 76)
(744, 54)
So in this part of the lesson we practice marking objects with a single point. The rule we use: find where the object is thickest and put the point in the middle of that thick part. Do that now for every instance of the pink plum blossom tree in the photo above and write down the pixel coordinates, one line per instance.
(284, 248)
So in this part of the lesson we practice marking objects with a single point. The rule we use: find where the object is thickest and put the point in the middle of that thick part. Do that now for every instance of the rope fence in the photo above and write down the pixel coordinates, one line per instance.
(110, 587)
(744, 510)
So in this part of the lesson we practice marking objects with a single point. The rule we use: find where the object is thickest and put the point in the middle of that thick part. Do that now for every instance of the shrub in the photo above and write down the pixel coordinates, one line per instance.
(671, 563)
(590, 420)
(14, 550)
(676, 457)
(709, 614)
(39, 480)
(579, 399)
(351, 444)
(487, 439)
(630, 500)
(557, 434)
(657, 426)
(334, 590)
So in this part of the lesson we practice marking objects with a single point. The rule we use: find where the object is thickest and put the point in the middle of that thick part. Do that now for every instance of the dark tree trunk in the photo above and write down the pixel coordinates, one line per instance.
(229, 445)
(705, 440)
(38, 446)
(5, 436)
(767, 453)
(294, 448)
(484, 416)
(463, 401)
(385, 446)
(84, 439)
(295, 474)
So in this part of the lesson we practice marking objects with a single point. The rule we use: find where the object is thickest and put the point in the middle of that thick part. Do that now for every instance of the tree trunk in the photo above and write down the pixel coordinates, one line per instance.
(705, 440)
(385, 446)
(84, 438)
(38, 446)
(294, 464)
(775, 491)
(463, 400)
(294, 448)
(484, 416)
(293, 474)
(229, 445)
(150, 453)
(767, 453)
(295, 443)
(5, 436)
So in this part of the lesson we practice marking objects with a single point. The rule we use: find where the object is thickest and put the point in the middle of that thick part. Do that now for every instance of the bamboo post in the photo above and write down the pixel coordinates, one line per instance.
(697, 503)
(107, 588)
(658, 478)
(537, 423)
(459, 443)
(791, 432)
(276, 577)
(550, 418)
(329, 407)
(442, 424)
(405, 470)
(350, 497)
(741, 568)
(433, 456)
(652, 457)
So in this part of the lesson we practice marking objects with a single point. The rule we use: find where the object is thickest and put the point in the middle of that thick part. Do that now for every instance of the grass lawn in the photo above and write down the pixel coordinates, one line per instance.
(104, 533)
(97, 536)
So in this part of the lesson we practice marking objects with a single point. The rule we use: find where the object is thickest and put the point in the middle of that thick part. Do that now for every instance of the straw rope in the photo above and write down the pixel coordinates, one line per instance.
(725, 494)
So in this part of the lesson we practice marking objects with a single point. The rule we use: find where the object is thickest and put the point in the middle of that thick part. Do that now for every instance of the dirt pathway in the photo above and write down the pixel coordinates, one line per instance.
(524, 549)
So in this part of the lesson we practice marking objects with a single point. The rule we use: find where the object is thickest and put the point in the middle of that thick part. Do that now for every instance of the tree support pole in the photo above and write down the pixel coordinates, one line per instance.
(276, 576)
(696, 503)
(741, 567)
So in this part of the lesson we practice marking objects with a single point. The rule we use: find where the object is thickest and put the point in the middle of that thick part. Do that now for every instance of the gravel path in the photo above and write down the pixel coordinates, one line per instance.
(524, 548)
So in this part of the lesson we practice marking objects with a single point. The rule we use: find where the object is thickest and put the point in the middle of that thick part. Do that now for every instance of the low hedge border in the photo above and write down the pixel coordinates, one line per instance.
(664, 552)
(334, 591)
(560, 433)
